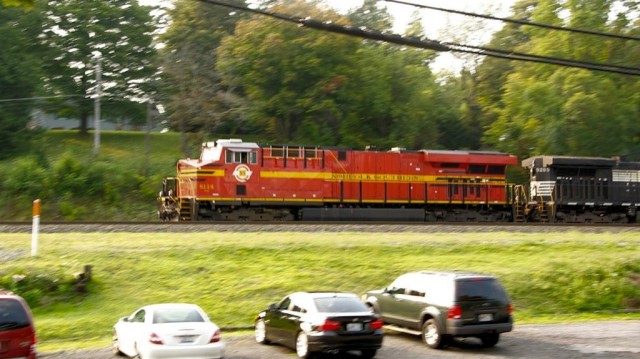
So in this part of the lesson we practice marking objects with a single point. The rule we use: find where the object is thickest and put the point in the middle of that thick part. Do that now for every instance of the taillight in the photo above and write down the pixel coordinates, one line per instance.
(510, 308)
(155, 339)
(329, 325)
(215, 337)
(376, 324)
(455, 312)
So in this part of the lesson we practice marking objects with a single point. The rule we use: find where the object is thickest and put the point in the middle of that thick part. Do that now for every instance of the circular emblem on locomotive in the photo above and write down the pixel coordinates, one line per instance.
(242, 173)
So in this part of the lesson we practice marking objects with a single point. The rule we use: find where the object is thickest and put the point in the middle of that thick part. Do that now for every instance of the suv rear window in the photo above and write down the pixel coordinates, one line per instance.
(479, 289)
(12, 315)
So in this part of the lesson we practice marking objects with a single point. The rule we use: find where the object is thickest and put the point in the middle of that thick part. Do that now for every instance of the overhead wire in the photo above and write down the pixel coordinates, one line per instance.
(519, 22)
(432, 44)
(37, 98)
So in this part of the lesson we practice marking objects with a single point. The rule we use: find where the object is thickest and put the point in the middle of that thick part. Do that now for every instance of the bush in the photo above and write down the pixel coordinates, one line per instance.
(25, 179)
(69, 176)
(40, 289)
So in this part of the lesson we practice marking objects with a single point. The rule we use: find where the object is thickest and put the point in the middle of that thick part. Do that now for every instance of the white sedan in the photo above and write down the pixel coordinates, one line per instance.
(171, 330)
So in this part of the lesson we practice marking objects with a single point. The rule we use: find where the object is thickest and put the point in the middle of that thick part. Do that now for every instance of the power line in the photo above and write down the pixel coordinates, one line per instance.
(37, 98)
(519, 22)
(432, 44)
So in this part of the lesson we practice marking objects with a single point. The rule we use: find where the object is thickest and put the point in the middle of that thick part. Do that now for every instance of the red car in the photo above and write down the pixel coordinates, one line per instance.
(17, 332)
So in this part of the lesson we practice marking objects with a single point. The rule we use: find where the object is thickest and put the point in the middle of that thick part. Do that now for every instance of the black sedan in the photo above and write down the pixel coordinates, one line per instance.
(315, 322)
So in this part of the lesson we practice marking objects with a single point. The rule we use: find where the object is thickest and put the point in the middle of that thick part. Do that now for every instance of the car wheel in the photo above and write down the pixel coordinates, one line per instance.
(302, 346)
(261, 332)
(490, 340)
(115, 346)
(368, 353)
(431, 335)
(137, 356)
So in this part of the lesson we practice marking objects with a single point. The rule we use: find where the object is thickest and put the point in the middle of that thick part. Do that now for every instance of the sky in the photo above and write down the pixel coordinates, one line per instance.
(438, 25)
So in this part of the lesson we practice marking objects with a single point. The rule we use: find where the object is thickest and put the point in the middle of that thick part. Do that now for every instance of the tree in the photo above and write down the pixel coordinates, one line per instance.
(196, 100)
(311, 86)
(77, 33)
(546, 109)
(292, 77)
(19, 75)
(371, 16)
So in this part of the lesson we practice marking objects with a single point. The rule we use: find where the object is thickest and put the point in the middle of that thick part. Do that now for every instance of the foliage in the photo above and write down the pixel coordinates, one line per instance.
(73, 184)
(39, 287)
(22, 3)
(315, 87)
(25, 179)
(78, 33)
(544, 109)
(371, 16)
(196, 100)
(19, 76)
(547, 278)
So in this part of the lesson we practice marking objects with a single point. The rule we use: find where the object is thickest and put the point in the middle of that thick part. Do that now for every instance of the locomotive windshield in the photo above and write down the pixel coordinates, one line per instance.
(242, 156)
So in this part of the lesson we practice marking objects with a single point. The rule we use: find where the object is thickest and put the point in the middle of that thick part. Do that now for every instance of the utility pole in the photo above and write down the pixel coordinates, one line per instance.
(96, 107)
(147, 141)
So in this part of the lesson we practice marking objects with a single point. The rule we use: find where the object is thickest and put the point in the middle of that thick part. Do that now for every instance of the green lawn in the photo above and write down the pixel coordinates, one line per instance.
(551, 277)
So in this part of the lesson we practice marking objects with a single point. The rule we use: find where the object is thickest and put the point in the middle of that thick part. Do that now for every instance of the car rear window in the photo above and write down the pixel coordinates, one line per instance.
(177, 315)
(12, 314)
(339, 305)
(479, 289)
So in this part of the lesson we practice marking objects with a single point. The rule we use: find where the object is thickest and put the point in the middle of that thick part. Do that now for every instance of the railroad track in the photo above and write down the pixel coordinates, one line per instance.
(419, 227)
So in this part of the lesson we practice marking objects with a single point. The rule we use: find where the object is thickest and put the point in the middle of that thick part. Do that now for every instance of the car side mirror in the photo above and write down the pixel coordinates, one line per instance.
(272, 306)
(124, 319)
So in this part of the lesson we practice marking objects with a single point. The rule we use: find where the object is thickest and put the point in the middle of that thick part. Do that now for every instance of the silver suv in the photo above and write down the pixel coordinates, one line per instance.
(440, 305)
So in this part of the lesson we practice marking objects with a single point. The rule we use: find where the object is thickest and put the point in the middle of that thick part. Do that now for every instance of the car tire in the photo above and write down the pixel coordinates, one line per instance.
(490, 340)
(115, 347)
(368, 353)
(302, 346)
(432, 335)
(137, 355)
(260, 332)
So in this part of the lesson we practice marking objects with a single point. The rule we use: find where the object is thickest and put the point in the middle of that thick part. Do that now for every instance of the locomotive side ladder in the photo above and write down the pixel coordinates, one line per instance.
(542, 208)
(519, 205)
(185, 209)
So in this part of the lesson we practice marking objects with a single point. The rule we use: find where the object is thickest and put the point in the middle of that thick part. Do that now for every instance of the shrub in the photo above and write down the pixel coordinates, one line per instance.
(25, 179)
(69, 176)
(40, 289)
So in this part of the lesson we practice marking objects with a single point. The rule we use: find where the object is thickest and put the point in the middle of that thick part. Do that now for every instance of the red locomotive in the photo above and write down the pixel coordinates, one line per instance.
(236, 180)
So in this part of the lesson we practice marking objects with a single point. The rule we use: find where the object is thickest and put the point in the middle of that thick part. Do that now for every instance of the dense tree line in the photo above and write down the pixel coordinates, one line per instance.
(226, 72)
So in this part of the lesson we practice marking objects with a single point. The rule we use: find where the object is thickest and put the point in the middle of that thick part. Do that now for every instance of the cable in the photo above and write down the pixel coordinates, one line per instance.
(545, 59)
(434, 45)
(520, 22)
(36, 98)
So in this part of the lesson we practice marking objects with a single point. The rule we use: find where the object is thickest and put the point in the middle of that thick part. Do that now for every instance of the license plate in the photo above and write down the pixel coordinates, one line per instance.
(187, 339)
(354, 327)
(485, 317)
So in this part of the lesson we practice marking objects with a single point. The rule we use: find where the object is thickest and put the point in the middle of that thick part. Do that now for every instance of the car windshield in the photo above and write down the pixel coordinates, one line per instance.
(12, 315)
(479, 289)
(177, 315)
(339, 305)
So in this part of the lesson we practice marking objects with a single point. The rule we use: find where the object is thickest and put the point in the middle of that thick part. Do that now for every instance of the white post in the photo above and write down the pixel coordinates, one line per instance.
(36, 227)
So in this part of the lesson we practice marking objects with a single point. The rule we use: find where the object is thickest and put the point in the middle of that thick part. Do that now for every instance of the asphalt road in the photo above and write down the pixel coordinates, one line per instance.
(610, 340)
